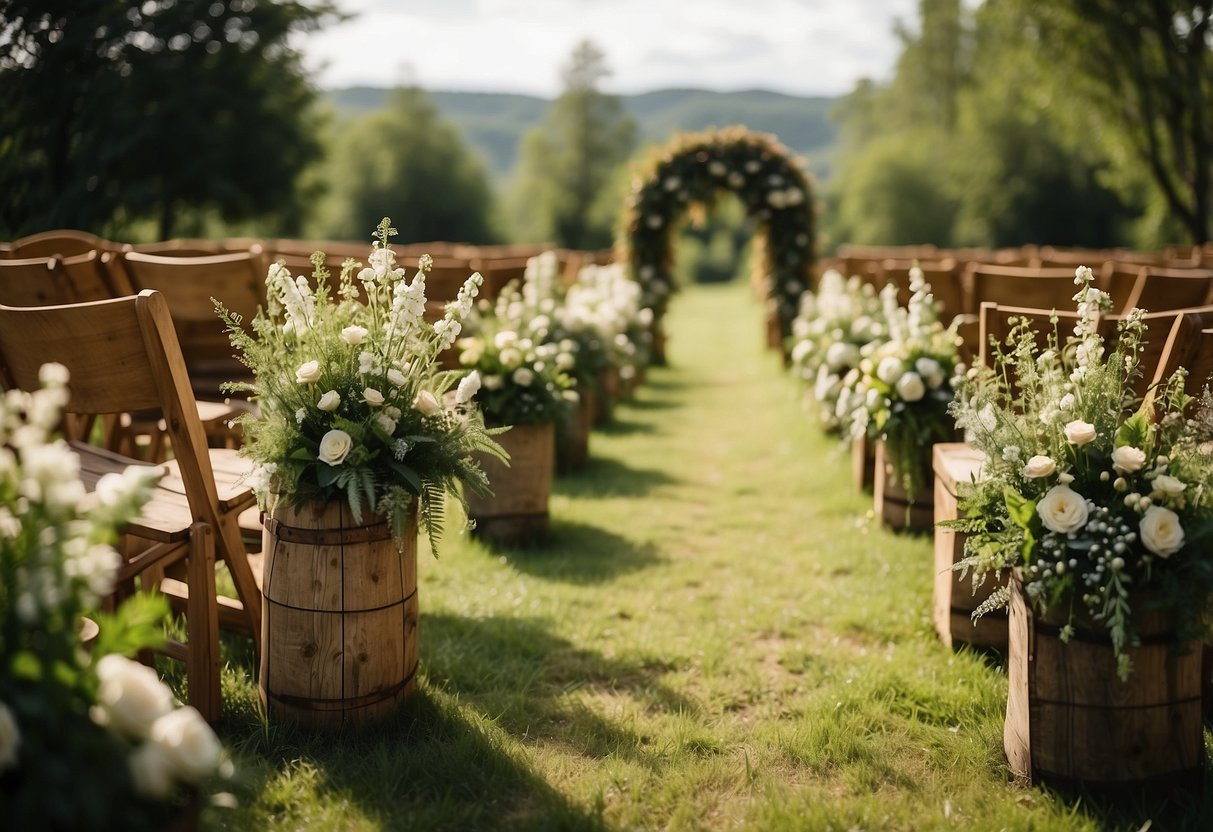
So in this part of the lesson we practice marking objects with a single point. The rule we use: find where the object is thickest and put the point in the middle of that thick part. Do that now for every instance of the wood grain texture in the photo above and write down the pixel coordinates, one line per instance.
(953, 598)
(1070, 718)
(891, 502)
(518, 508)
(573, 449)
(340, 619)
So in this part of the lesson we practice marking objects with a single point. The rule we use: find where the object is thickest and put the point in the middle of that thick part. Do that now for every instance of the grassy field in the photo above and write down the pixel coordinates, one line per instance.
(718, 636)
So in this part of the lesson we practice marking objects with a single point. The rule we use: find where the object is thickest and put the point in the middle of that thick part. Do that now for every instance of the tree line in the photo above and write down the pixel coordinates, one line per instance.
(1074, 122)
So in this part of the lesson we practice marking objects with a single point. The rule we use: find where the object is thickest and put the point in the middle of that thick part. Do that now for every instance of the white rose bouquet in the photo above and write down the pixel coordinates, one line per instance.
(87, 740)
(352, 402)
(902, 387)
(1093, 493)
(838, 324)
(522, 365)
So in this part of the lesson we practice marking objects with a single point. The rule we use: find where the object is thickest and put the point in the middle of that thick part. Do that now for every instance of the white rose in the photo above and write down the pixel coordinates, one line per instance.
(910, 387)
(386, 422)
(330, 401)
(468, 387)
(505, 338)
(1039, 466)
(1067, 402)
(426, 403)
(1161, 532)
(372, 397)
(396, 377)
(1062, 509)
(1168, 485)
(308, 372)
(334, 447)
(354, 335)
(523, 377)
(492, 382)
(1126, 459)
(130, 696)
(189, 745)
(889, 369)
(840, 355)
(10, 738)
(1079, 432)
(151, 771)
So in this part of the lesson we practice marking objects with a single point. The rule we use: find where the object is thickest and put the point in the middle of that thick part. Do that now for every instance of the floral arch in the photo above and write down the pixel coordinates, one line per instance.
(768, 180)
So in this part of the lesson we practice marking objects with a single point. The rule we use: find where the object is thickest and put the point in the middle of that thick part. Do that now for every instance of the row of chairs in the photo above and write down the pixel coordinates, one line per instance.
(858, 259)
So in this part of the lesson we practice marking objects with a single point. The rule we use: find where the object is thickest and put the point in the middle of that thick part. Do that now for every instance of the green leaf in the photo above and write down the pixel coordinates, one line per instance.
(407, 474)
(1135, 432)
(303, 455)
(326, 475)
(1020, 509)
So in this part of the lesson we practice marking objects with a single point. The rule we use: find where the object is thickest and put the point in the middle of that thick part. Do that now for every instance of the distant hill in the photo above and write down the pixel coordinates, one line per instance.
(494, 123)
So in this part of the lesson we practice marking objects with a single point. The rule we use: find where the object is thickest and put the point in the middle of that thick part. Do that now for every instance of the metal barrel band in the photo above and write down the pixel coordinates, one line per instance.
(343, 611)
(366, 700)
(328, 537)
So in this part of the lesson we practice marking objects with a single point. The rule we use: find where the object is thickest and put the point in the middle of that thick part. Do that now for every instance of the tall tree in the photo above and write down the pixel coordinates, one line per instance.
(1145, 68)
(114, 111)
(404, 161)
(567, 162)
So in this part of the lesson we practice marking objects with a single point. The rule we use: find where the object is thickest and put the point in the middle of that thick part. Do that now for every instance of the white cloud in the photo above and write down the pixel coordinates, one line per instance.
(800, 46)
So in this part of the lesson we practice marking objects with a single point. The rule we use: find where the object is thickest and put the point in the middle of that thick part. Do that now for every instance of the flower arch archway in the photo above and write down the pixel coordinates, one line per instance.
(693, 169)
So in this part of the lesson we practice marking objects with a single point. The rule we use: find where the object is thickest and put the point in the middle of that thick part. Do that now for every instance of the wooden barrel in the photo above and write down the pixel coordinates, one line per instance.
(863, 463)
(518, 510)
(954, 599)
(893, 505)
(608, 395)
(573, 449)
(339, 619)
(1071, 719)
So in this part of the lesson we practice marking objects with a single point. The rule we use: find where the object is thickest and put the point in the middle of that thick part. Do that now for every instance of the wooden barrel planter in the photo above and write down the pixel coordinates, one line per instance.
(893, 505)
(573, 447)
(1070, 719)
(339, 619)
(863, 463)
(954, 599)
(518, 510)
(608, 395)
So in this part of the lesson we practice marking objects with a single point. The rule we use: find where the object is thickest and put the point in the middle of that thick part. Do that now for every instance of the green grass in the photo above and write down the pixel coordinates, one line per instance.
(719, 636)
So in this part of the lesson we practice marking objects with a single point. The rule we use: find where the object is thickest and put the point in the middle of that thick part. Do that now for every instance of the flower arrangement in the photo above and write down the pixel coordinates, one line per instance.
(522, 371)
(1098, 497)
(903, 385)
(602, 312)
(87, 740)
(836, 326)
(352, 402)
(768, 180)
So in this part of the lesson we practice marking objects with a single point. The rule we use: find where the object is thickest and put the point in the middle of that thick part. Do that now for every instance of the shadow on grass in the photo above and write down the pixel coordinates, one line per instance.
(1159, 805)
(579, 553)
(535, 684)
(619, 425)
(429, 766)
(607, 477)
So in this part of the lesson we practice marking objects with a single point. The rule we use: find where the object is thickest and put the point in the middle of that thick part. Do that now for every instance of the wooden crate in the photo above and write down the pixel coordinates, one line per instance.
(954, 599)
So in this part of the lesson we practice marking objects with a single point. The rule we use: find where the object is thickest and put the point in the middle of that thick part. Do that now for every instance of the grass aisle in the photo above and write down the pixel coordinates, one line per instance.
(717, 637)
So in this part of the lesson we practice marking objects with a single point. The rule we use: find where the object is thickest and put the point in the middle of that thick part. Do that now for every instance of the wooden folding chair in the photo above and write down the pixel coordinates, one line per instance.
(1159, 289)
(1020, 286)
(123, 356)
(188, 284)
(1189, 344)
(65, 242)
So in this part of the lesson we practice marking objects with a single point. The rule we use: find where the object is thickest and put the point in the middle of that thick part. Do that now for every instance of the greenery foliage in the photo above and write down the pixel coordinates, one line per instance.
(563, 192)
(1097, 496)
(407, 154)
(903, 384)
(770, 184)
(351, 399)
(82, 744)
(116, 112)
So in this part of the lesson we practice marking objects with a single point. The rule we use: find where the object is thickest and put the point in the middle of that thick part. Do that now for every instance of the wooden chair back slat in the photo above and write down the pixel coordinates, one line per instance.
(65, 242)
(1159, 289)
(1024, 287)
(1188, 345)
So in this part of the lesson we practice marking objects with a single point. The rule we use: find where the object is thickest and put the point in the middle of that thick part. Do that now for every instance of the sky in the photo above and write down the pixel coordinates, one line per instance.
(807, 47)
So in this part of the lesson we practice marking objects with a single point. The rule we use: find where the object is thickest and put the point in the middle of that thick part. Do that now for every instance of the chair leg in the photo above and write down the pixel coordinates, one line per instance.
(202, 623)
(231, 549)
